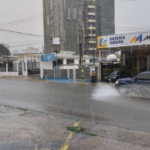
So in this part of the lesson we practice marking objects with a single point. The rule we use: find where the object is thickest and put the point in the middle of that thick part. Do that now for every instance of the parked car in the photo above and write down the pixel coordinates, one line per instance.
(139, 84)
(116, 75)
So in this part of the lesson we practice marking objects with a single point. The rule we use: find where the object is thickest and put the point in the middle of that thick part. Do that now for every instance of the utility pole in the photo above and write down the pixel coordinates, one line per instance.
(81, 33)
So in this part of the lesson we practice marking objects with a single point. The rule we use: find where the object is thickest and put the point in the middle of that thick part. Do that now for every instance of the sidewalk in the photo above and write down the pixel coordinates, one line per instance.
(24, 129)
(66, 80)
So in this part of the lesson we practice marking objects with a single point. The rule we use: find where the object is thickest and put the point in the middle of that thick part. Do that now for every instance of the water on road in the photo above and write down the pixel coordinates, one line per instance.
(100, 103)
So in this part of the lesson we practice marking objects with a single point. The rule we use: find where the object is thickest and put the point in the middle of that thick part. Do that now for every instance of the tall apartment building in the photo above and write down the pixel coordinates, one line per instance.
(99, 20)
(60, 17)
(97, 16)
(89, 11)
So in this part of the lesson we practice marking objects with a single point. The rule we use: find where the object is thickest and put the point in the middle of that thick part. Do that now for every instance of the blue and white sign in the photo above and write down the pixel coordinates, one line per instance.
(49, 57)
(121, 40)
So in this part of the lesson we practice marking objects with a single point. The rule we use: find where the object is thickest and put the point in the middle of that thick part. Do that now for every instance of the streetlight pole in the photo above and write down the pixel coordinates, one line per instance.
(57, 69)
(80, 47)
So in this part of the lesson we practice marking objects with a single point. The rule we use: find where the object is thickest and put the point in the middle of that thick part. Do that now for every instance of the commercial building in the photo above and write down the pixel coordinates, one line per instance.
(29, 50)
(134, 47)
(61, 20)
(65, 65)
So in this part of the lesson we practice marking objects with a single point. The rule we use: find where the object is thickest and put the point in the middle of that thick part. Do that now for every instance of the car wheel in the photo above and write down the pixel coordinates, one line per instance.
(123, 90)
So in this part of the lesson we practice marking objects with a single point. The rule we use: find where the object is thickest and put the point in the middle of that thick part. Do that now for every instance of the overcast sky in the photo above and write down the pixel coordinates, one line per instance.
(26, 16)
(23, 16)
(132, 15)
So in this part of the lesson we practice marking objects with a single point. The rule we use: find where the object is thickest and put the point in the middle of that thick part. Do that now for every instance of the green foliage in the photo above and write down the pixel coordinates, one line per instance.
(4, 50)
(91, 134)
(76, 129)
(80, 130)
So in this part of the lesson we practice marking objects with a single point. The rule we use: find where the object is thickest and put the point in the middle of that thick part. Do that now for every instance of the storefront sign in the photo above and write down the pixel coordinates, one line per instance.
(123, 40)
(49, 57)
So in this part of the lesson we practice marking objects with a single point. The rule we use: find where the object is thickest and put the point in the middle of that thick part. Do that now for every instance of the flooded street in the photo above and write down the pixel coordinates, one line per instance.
(100, 103)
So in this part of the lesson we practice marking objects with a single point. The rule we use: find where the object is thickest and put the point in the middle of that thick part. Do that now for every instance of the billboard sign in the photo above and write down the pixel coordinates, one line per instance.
(49, 57)
(123, 40)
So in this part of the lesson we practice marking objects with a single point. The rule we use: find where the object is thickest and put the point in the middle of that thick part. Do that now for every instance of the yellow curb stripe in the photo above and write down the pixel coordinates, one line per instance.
(66, 145)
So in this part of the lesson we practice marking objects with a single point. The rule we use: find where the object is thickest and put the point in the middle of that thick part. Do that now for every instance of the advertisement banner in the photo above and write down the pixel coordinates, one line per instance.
(123, 40)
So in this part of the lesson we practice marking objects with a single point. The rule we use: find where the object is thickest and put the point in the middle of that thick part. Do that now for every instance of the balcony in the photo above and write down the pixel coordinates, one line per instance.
(91, 49)
(92, 35)
(92, 28)
(91, 20)
(90, 6)
(92, 42)
(91, 14)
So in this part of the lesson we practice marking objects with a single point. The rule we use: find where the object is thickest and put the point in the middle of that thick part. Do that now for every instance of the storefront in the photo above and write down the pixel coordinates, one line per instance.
(134, 47)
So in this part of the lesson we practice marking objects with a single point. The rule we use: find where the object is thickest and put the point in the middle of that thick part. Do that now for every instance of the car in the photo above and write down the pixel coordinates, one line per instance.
(139, 84)
(116, 75)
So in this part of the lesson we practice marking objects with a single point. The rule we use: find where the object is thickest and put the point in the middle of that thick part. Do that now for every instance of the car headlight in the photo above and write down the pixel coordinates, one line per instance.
(117, 82)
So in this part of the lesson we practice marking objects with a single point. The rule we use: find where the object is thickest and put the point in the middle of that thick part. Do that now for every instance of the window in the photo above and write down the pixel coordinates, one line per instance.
(70, 61)
(58, 62)
(143, 76)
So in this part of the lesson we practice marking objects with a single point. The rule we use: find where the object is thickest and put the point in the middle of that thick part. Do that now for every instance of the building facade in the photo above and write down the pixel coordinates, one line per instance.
(99, 19)
(60, 20)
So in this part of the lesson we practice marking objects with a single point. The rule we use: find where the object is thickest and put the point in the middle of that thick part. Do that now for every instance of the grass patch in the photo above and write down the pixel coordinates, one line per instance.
(91, 134)
(80, 130)
(76, 129)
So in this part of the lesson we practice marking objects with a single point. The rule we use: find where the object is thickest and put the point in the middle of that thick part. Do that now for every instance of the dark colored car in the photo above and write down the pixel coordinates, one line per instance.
(116, 75)
(139, 84)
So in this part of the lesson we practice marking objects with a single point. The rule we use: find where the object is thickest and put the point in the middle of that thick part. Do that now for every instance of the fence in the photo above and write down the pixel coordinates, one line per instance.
(33, 68)
(69, 73)
(12, 67)
(2, 67)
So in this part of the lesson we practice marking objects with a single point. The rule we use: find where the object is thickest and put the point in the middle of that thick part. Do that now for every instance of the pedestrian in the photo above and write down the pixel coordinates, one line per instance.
(93, 77)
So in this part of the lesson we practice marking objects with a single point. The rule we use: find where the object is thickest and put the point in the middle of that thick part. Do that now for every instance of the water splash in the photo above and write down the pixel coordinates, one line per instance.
(104, 92)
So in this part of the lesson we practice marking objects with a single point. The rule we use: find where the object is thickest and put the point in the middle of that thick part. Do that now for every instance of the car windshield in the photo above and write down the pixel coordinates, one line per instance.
(112, 73)
(116, 72)
(143, 76)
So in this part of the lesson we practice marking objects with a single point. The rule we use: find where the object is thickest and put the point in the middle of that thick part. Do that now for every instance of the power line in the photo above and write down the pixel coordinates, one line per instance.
(22, 20)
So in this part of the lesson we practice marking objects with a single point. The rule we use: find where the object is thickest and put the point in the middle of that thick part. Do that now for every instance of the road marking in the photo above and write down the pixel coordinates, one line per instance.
(66, 145)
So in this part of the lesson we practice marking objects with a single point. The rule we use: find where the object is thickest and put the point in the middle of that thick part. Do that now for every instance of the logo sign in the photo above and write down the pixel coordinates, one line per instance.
(147, 38)
(49, 57)
(136, 39)
(102, 42)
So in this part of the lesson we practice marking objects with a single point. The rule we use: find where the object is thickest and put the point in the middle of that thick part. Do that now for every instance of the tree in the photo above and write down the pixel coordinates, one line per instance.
(4, 51)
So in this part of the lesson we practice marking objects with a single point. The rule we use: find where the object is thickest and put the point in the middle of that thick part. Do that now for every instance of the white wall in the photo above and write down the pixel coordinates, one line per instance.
(9, 74)
(76, 61)
(69, 67)
(47, 65)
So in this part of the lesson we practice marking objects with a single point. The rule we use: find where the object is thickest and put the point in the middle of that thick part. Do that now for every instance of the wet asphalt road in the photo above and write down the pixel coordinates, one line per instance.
(75, 99)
